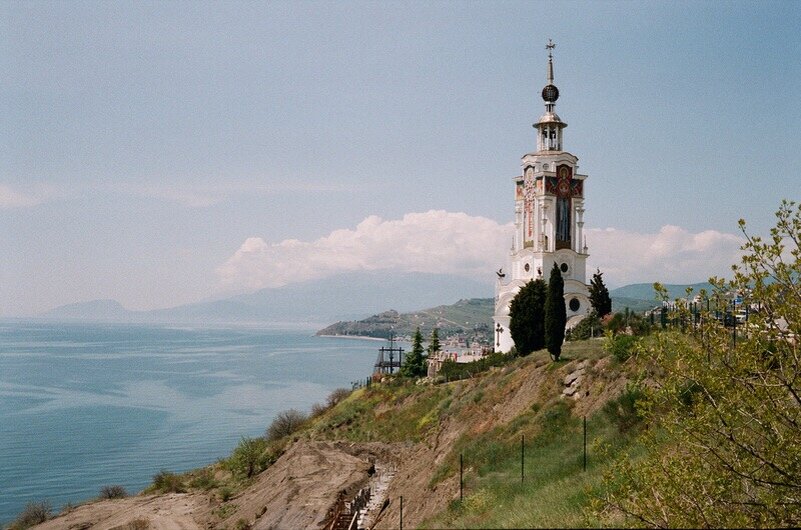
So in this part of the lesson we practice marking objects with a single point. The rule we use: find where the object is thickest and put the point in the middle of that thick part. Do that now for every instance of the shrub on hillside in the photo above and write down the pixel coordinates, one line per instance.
(242, 524)
(249, 458)
(623, 410)
(621, 347)
(204, 480)
(284, 424)
(317, 409)
(337, 395)
(225, 494)
(113, 492)
(167, 482)
(616, 323)
(33, 514)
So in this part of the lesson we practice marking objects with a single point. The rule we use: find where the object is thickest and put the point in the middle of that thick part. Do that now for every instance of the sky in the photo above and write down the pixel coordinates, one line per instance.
(161, 153)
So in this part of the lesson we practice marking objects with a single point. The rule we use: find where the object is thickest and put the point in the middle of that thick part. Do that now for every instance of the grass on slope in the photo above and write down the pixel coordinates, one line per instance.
(392, 412)
(556, 491)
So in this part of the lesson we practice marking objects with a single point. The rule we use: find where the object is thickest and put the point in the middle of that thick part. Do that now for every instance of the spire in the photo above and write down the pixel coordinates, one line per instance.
(550, 125)
(550, 93)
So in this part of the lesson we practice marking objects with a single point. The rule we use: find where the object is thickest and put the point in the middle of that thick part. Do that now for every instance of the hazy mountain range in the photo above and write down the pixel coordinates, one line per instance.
(345, 297)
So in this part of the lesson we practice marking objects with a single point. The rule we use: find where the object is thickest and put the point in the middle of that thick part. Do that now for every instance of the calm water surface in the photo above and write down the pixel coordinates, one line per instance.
(83, 406)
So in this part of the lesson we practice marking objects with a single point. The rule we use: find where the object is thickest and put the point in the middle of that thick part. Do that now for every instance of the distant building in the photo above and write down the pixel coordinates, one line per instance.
(549, 221)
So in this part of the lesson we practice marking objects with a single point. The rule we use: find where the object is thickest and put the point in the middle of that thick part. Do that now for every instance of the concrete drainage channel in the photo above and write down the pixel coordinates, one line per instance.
(379, 486)
(365, 509)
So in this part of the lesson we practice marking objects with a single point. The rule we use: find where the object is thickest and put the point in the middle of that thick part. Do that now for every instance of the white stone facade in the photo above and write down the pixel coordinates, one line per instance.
(549, 223)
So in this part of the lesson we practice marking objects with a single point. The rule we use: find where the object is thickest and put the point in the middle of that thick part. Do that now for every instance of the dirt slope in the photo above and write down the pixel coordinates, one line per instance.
(175, 511)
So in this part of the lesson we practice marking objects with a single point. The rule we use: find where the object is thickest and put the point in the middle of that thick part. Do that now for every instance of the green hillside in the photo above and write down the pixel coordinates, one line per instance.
(645, 291)
(474, 315)
(469, 316)
(620, 303)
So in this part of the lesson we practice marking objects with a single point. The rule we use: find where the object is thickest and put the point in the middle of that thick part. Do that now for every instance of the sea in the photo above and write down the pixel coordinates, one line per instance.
(84, 406)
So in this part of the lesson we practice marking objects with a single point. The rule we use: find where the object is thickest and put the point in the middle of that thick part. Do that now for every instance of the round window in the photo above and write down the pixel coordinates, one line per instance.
(527, 267)
(563, 267)
(574, 304)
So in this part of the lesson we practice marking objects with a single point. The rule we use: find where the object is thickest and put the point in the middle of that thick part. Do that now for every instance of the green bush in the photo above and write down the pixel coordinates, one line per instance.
(621, 347)
(33, 514)
(168, 482)
(249, 458)
(204, 480)
(226, 493)
(617, 323)
(623, 410)
(113, 492)
(285, 423)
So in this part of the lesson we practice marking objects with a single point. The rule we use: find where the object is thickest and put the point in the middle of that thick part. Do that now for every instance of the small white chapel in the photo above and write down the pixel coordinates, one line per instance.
(549, 221)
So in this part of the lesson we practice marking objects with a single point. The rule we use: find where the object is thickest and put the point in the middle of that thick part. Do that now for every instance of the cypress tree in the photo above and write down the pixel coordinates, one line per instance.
(415, 364)
(526, 317)
(599, 295)
(555, 313)
(433, 343)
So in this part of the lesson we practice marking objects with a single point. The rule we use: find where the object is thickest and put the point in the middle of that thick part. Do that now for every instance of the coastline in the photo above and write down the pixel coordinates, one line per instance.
(356, 337)
(182, 446)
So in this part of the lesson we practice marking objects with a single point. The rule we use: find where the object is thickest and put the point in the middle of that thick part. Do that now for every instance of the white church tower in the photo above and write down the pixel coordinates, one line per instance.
(549, 221)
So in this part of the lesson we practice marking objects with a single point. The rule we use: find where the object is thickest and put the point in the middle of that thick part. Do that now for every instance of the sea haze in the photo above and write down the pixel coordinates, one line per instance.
(350, 296)
(88, 405)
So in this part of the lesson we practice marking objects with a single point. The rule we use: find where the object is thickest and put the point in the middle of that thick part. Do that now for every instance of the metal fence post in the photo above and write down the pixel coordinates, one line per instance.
(461, 477)
(585, 443)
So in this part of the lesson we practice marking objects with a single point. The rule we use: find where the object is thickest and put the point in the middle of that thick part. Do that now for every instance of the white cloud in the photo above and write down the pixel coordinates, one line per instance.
(15, 199)
(456, 243)
(434, 242)
(672, 255)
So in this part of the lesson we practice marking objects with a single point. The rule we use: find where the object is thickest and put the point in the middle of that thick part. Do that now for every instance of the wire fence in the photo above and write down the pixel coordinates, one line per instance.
(467, 468)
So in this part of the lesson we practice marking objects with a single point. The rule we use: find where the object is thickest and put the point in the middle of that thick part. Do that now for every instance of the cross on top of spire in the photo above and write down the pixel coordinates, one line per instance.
(550, 46)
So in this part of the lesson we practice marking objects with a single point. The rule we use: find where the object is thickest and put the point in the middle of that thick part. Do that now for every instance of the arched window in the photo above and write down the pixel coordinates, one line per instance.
(563, 219)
